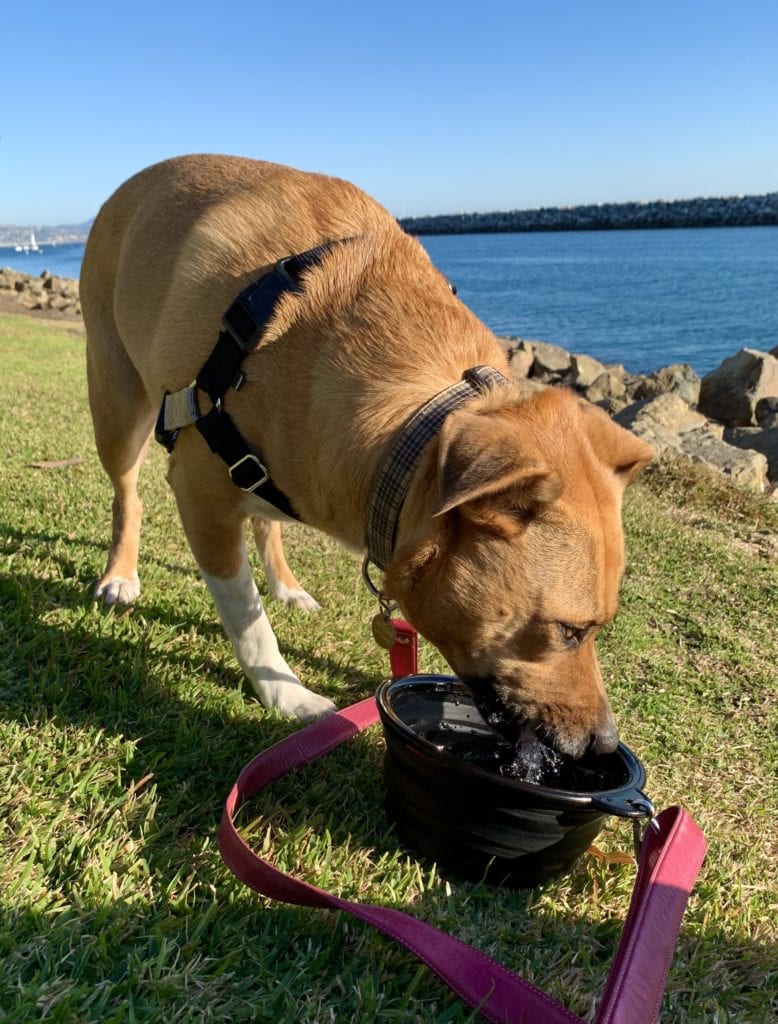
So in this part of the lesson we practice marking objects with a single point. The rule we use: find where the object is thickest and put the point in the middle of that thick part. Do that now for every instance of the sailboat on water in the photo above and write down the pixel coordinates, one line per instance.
(31, 246)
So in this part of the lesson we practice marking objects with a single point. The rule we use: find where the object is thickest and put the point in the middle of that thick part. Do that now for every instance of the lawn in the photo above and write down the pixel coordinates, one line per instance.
(121, 734)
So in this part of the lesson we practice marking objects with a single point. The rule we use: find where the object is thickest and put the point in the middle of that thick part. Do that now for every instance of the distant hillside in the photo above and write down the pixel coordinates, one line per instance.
(732, 211)
(16, 234)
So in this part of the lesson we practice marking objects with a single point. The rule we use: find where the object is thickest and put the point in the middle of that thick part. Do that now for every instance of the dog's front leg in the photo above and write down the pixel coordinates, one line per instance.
(245, 621)
(214, 523)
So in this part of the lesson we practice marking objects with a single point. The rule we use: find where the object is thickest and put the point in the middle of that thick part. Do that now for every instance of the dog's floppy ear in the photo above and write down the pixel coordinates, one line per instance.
(490, 468)
(614, 446)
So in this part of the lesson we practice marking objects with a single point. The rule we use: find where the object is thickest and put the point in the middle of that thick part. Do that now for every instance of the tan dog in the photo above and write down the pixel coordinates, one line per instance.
(509, 549)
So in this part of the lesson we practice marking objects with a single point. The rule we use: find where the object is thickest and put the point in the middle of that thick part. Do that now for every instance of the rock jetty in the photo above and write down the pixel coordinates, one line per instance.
(732, 211)
(728, 420)
(46, 293)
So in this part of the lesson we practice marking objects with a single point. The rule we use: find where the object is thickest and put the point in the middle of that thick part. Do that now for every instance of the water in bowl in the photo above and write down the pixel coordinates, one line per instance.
(529, 760)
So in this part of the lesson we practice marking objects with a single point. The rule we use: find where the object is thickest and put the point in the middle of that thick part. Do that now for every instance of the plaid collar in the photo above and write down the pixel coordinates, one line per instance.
(393, 479)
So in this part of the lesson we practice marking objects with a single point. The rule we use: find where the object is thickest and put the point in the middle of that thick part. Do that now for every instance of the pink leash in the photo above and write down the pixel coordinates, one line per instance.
(670, 859)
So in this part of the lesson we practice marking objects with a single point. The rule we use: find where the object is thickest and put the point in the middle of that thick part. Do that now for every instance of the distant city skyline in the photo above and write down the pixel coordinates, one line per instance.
(431, 108)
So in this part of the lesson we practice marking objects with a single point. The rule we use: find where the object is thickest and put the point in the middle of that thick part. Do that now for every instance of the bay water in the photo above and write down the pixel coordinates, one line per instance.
(62, 260)
(640, 298)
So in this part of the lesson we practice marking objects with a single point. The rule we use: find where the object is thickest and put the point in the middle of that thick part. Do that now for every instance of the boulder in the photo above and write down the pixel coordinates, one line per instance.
(670, 426)
(660, 421)
(550, 362)
(584, 371)
(767, 412)
(617, 369)
(44, 292)
(52, 284)
(678, 378)
(744, 467)
(613, 405)
(667, 412)
(528, 387)
(521, 359)
(759, 440)
(608, 385)
(507, 343)
(8, 278)
(731, 392)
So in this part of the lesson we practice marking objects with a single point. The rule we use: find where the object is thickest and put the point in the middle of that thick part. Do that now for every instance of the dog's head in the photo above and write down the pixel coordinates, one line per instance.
(520, 562)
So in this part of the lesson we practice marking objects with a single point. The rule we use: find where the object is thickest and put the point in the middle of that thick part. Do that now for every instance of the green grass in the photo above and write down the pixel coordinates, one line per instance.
(120, 735)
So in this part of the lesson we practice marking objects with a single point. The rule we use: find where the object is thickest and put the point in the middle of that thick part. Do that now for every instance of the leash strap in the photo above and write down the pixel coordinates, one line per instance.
(671, 856)
(670, 860)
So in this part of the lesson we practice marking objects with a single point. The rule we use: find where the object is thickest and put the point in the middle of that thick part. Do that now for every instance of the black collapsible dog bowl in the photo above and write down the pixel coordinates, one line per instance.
(474, 821)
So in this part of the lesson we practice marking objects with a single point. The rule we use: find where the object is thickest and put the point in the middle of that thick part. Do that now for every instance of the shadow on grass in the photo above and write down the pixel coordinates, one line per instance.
(12, 539)
(100, 673)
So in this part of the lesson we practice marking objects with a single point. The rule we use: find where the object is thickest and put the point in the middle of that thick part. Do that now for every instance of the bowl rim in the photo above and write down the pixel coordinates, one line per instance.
(573, 798)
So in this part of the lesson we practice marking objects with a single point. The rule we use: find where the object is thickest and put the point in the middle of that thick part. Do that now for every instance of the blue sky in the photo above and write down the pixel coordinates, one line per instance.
(431, 107)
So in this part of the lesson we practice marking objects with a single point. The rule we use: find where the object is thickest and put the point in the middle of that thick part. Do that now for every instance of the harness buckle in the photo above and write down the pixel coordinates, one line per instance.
(250, 464)
(165, 436)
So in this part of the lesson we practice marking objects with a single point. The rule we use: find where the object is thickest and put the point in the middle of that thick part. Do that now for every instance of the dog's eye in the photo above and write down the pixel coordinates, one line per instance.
(573, 635)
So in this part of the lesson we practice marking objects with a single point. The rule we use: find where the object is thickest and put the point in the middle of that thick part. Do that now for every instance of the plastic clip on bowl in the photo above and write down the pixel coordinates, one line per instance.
(475, 821)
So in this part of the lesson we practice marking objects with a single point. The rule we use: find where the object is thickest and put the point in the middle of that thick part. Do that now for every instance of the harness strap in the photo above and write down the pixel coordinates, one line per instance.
(244, 323)
(246, 469)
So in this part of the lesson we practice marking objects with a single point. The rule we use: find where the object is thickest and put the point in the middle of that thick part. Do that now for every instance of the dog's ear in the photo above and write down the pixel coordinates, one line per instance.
(490, 468)
(626, 454)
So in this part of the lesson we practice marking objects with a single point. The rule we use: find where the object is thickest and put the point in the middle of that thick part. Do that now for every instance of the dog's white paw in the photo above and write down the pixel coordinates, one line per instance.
(118, 590)
(293, 700)
(295, 598)
(306, 706)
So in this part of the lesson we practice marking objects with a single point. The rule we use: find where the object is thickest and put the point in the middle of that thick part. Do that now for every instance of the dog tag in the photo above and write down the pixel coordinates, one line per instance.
(383, 631)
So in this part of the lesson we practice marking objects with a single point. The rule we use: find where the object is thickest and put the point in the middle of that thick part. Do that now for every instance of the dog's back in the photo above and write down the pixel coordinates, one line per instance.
(175, 243)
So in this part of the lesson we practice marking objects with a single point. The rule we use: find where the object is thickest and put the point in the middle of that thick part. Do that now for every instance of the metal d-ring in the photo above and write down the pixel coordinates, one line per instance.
(646, 806)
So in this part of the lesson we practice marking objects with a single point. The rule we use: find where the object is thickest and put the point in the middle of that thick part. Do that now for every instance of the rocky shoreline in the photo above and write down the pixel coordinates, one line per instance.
(731, 211)
(728, 420)
(45, 293)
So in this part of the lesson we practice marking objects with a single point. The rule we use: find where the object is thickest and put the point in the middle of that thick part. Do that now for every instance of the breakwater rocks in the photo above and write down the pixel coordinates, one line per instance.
(57, 296)
(728, 420)
(733, 211)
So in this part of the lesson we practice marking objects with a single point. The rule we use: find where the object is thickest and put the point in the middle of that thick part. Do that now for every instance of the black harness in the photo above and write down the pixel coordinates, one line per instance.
(244, 324)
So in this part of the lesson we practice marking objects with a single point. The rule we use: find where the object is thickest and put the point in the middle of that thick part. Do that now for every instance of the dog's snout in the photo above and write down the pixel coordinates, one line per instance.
(605, 740)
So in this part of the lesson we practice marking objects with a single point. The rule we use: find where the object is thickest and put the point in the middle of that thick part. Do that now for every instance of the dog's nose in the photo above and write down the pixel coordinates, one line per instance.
(606, 739)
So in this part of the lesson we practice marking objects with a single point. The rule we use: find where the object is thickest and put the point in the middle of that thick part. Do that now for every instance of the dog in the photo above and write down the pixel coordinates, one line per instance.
(506, 550)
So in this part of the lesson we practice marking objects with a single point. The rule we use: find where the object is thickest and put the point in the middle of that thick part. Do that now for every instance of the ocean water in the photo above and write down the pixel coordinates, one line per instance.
(641, 298)
(62, 260)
